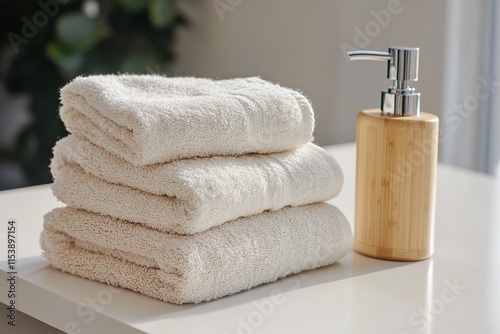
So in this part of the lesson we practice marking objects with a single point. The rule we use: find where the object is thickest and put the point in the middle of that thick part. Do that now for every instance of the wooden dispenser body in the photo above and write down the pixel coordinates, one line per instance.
(395, 185)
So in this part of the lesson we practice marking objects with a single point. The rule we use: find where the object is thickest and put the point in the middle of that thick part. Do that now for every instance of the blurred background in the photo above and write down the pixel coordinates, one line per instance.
(298, 44)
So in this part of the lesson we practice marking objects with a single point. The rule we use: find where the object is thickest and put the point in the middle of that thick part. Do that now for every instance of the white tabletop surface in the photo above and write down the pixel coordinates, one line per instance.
(457, 291)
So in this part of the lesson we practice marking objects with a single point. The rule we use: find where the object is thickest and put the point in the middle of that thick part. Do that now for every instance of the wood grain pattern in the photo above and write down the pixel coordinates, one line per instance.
(395, 185)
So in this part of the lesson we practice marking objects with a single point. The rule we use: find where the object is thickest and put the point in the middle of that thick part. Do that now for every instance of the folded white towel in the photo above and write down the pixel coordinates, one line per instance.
(189, 269)
(191, 195)
(149, 119)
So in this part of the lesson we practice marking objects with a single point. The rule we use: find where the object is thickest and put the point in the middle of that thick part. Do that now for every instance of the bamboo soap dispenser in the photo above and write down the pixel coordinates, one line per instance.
(396, 152)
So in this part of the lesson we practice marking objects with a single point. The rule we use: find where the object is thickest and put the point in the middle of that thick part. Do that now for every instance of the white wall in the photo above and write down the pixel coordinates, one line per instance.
(297, 43)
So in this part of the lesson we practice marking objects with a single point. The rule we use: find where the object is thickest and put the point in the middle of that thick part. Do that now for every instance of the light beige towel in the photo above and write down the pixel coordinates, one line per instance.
(149, 118)
(179, 269)
(191, 195)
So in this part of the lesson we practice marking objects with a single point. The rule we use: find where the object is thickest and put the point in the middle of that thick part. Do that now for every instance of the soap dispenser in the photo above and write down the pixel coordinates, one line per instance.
(396, 160)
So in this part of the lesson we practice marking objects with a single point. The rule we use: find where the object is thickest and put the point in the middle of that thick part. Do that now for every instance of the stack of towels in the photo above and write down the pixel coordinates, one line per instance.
(188, 189)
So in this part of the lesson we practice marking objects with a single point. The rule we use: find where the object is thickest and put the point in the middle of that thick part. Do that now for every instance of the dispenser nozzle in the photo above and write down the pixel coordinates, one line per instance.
(369, 55)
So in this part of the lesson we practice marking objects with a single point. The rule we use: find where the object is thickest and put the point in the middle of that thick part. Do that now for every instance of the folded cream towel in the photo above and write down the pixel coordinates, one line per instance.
(191, 195)
(149, 119)
(189, 269)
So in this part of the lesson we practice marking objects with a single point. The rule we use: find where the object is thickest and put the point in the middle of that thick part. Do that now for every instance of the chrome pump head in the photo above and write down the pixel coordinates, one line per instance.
(402, 67)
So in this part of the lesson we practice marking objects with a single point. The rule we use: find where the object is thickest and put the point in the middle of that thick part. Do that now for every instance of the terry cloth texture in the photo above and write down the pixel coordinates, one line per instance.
(191, 195)
(149, 119)
(236, 256)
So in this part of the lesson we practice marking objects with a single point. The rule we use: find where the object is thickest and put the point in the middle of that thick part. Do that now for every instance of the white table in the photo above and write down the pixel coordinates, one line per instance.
(457, 291)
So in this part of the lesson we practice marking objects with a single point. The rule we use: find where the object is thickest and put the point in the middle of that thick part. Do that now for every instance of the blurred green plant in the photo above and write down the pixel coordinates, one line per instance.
(49, 42)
